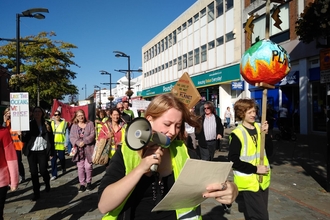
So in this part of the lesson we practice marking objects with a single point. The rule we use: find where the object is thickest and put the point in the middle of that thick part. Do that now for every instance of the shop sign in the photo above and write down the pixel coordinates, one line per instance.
(291, 78)
(237, 85)
(227, 74)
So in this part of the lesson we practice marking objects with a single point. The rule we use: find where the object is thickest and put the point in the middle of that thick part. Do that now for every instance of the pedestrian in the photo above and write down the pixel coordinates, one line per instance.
(190, 133)
(125, 117)
(100, 120)
(113, 130)
(211, 132)
(61, 139)
(8, 167)
(127, 110)
(244, 152)
(82, 137)
(283, 114)
(16, 136)
(228, 116)
(39, 149)
(130, 189)
(270, 118)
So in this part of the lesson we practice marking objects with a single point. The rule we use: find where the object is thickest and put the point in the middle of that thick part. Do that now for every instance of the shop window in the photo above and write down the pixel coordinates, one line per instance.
(319, 106)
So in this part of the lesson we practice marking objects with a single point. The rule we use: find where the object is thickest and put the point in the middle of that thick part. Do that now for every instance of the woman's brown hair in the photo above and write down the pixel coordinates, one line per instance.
(242, 106)
(162, 103)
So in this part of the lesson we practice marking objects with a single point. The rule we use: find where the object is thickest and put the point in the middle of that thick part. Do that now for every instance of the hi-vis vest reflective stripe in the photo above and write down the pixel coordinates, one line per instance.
(132, 159)
(14, 136)
(250, 182)
(59, 135)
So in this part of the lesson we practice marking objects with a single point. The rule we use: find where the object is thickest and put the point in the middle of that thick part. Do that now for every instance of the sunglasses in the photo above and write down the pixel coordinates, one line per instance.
(56, 114)
(207, 108)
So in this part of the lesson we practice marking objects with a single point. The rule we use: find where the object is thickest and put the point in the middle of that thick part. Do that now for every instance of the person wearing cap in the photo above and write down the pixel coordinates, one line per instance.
(16, 137)
(61, 139)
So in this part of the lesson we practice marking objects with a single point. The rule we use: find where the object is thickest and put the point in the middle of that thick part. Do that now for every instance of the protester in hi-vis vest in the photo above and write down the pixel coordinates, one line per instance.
(99, 121)
(244, 152)
(113, 130)
(129, 188)
(16, 138)
(61, 140)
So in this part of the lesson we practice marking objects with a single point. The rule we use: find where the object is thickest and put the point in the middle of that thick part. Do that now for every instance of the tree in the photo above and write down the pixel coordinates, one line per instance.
(314, 23)
(44, 62)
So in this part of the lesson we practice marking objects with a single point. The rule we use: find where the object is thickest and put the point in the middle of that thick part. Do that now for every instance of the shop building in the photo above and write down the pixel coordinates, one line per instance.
(301, 90)
(205, 42)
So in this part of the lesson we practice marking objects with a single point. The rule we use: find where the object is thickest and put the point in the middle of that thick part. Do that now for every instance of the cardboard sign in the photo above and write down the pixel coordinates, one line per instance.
(186, 91)
(19, 111)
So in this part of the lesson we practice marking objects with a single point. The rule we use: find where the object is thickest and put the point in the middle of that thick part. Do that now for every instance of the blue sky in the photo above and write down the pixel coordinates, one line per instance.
(97, 28)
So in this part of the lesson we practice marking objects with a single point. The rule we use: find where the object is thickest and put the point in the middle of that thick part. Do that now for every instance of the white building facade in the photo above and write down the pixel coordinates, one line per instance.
(204, 41)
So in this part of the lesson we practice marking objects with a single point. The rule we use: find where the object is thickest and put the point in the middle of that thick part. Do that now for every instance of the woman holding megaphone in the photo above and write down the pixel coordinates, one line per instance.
(130, 189)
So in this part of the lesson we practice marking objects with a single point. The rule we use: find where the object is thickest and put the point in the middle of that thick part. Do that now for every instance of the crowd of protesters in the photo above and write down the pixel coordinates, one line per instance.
(55, 138)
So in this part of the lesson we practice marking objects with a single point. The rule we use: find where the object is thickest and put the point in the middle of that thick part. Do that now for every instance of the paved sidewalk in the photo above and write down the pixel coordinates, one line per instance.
(294, 193)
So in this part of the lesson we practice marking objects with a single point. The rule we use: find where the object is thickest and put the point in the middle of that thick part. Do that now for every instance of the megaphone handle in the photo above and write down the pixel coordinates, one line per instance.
(154, 167)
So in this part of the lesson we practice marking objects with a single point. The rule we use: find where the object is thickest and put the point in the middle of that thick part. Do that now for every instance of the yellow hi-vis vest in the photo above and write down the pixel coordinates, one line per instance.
(59, 135)
(99, 126)
(179, 155)
(250, 154)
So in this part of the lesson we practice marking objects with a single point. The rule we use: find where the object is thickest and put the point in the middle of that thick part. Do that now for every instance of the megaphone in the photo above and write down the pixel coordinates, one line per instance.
(139, 133)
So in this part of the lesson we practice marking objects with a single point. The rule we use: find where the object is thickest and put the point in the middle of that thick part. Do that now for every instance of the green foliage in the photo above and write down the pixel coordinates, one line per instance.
(47, 61)
(314, 22)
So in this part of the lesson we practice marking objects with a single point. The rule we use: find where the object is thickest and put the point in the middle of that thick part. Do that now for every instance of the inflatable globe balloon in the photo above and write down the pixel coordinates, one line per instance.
(265, 62)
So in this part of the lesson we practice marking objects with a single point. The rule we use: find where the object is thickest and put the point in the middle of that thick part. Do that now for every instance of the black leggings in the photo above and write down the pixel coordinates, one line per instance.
(40, 158)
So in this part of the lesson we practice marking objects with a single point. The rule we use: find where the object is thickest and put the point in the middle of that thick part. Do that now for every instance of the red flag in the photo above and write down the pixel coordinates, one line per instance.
(67, 111)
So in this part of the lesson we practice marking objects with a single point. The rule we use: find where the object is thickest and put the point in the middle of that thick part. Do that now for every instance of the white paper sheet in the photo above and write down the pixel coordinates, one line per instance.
(188, 189)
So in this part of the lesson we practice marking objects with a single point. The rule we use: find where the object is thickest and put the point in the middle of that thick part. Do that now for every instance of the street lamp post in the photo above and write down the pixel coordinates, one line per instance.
(32, 13)
(121, 54)
(98, 87)
(110, 98)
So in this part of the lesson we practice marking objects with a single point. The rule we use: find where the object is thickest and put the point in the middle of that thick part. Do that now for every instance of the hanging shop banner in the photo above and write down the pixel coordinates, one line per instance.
(237, 85)
(19, 111)
(186, 91)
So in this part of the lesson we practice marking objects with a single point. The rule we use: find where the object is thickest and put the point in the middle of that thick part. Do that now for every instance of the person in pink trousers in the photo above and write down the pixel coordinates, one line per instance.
(82, 137)
(8, 167)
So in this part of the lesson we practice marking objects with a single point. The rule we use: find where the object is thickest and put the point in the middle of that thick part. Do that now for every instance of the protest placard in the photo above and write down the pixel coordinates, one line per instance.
(19, 111)
(186, 91)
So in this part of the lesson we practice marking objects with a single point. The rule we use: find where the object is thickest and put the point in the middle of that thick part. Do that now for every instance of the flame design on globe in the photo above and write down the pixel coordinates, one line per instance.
(265, 62)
